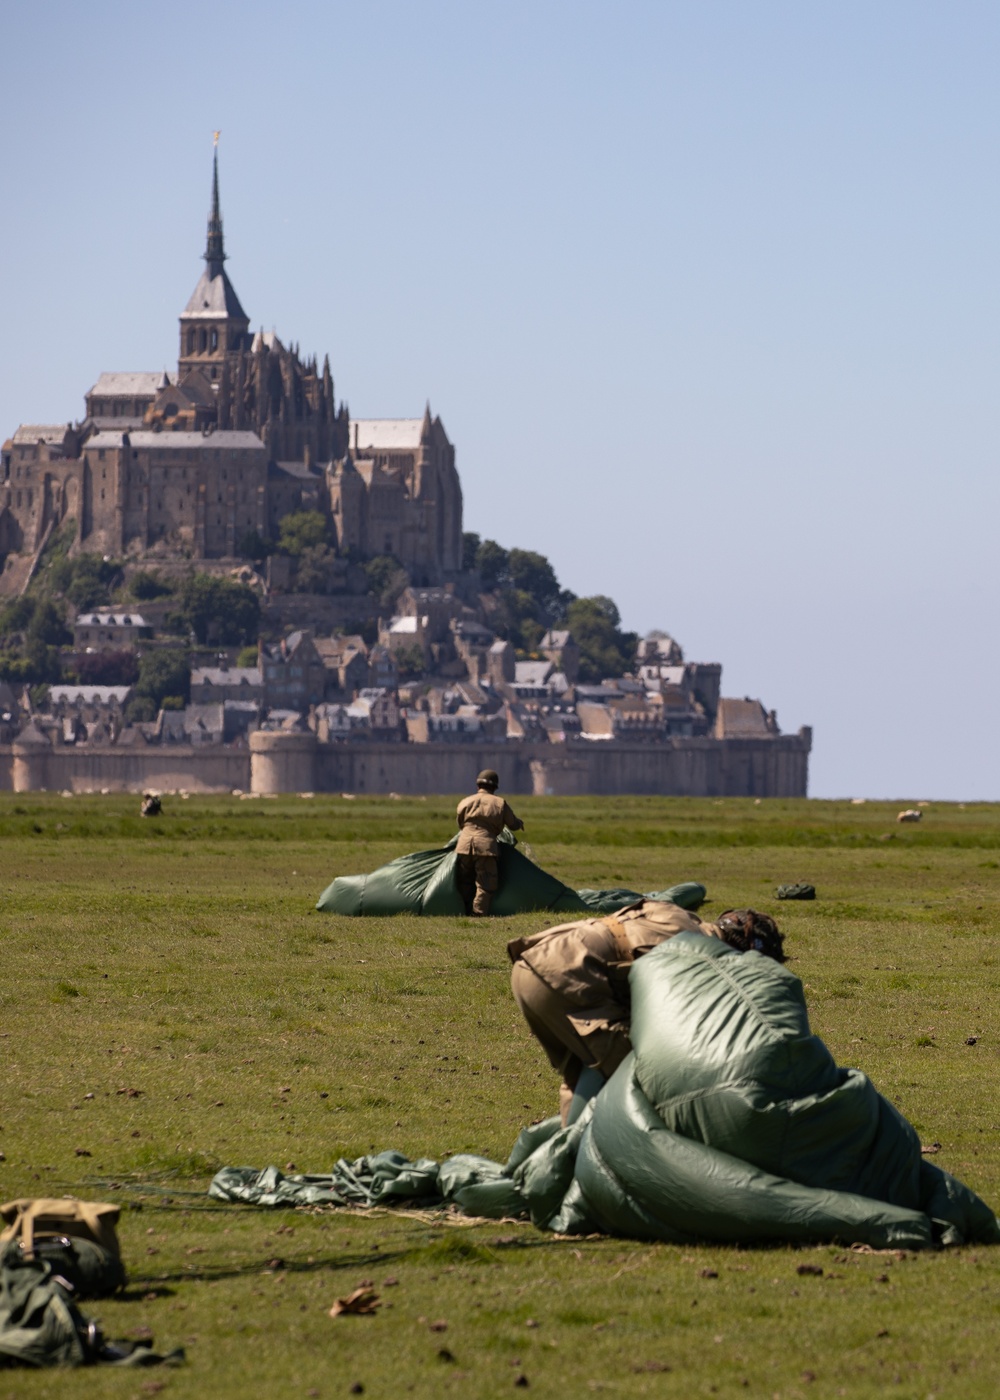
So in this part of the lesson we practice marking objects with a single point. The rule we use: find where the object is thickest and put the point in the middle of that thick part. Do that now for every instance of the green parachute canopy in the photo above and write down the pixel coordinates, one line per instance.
(424, 883)
(730, 1122)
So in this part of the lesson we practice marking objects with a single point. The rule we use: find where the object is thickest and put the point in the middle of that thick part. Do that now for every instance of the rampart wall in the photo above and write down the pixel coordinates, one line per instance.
(288, 762)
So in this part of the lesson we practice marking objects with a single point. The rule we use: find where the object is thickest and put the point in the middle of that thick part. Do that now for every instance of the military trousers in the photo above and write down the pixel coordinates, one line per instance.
(570, 1038)
(477, 879)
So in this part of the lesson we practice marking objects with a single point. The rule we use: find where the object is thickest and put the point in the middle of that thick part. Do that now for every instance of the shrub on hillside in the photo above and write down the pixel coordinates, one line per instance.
(605, 650)
(218, 611)
(164, 675)
(302, 530)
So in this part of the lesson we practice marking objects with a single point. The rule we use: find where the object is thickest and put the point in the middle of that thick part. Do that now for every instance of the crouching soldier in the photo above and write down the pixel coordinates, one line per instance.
(571, 982)
(481, 818)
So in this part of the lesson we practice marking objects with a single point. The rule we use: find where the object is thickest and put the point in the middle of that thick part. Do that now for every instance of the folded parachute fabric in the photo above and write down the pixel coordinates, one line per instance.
(424, 883)
(730, 1122)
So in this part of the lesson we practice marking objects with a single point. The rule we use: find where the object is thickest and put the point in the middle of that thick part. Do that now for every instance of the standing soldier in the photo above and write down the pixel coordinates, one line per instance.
(481, 818)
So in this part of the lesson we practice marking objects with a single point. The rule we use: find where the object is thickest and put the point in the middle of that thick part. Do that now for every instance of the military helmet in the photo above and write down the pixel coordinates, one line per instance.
(488, 779)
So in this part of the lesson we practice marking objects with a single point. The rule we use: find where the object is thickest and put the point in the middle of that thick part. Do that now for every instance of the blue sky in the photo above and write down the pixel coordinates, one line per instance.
(706, 295)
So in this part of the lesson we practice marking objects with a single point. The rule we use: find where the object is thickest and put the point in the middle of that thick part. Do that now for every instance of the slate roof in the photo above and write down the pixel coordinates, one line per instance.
(385, 434)
(240, 677)
(40, 432)
(672, 675)
(742, 719)
(126, 384)
(532, 672)
(214, 298)
(180, 441)
(94, 619)
(300, 470)
(89, 694)
(120, 424)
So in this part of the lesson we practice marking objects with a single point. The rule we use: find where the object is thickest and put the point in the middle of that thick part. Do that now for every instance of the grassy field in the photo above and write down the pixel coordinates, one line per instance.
(171, 1003)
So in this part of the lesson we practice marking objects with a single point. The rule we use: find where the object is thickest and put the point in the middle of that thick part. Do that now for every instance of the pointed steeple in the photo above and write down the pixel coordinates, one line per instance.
(213, 324)
(215, 253)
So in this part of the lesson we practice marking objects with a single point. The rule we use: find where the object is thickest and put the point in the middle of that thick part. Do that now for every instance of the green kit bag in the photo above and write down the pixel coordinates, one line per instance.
(77, 1238)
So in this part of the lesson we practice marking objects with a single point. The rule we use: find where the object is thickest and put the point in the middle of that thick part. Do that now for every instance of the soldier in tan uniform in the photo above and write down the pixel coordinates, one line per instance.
(481, 818)
(571, 981)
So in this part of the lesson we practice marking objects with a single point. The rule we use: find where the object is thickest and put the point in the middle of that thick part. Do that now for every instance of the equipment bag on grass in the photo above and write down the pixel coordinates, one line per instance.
(424, 883)
(77, 1237)
(40, 1324)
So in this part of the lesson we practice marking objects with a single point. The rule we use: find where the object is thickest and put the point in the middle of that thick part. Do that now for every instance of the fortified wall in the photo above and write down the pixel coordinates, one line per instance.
(297, 762)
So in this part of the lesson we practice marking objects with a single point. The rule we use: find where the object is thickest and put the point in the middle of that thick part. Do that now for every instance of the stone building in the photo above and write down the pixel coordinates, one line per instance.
(219, 684)
(293, 673)
(246, 431)
(109, 631)
(397, 492)
(188, 493)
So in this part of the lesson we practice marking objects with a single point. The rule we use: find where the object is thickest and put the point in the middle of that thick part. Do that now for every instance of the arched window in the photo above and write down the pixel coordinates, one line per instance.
(191, 340)
(202, 339)
(215, 340)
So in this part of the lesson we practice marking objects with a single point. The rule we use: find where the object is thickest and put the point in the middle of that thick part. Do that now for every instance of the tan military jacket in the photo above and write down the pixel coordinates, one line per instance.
(482, 817)
(587, 963)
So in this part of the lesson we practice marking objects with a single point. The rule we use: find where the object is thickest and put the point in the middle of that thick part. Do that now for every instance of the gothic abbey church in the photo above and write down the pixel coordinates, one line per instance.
(188, 466)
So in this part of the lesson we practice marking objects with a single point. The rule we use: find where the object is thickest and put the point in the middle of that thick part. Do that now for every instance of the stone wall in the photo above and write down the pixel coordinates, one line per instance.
(278, 762)
(680, 767)
(129, 769)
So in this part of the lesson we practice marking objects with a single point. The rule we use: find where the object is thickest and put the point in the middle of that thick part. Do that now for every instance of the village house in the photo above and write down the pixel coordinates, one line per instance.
(345, 661)
(109, 631)
(383, 673)
(293, 673)
(559, 648)
(378, 710)
(212, 684)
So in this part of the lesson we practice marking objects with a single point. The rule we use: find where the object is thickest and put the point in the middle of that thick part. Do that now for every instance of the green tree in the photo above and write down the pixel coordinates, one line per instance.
(87, 581)
(47, 625)
(605, 650)
(528, 598)
(492, 562)
(247, 657)
(470, 548)
(314, 570)
(34, 663)
(410, 661)
(31, 631)
(386, 579)
(532, 573)
(218, 610)
(162, 675)
(16, 615)
(144, 587)
(302, 530)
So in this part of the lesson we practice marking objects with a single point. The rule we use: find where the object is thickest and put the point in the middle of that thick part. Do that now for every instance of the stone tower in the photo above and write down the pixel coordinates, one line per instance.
(213, 324)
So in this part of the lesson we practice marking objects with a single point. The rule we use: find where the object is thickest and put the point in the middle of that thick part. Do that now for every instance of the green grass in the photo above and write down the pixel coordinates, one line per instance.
(181, 958)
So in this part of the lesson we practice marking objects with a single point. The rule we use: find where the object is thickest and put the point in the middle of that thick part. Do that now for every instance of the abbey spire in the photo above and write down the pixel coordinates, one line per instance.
(213, 324)
(215, 253)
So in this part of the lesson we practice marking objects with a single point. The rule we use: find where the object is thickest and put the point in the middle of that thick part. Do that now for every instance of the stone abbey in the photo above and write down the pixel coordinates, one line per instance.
(189, 465)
